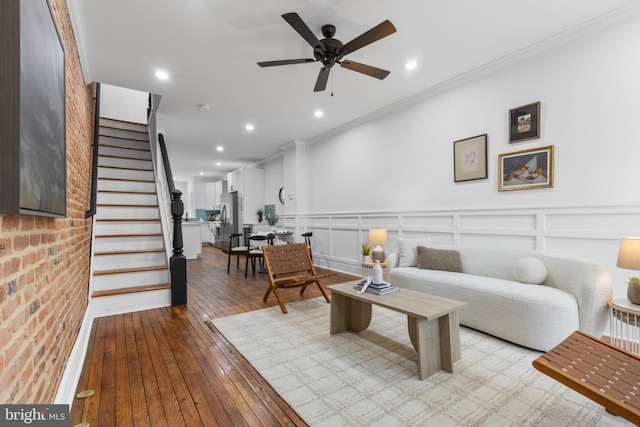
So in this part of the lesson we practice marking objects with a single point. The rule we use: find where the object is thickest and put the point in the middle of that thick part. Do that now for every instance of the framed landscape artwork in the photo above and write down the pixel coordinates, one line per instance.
(525, 170)
(470, 158)
(33, 123)
(524, 123)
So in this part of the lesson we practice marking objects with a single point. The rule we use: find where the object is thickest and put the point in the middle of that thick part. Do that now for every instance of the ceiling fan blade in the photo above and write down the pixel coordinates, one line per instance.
(378, 73)
(376, 33)
(323, 77)
(285, 62)
(303, 29)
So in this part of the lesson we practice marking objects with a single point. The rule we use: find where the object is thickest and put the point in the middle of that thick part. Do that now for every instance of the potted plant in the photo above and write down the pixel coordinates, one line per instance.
(259, 212)
(366, 252)
(272, 219)
(633, 290)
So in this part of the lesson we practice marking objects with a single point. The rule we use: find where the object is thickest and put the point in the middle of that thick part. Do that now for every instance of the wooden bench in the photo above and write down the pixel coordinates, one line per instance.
(605, 374)
(290, 266)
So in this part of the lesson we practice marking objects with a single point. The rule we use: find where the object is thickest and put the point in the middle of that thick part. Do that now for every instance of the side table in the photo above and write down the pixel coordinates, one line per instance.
(624, 325)
(367, 269)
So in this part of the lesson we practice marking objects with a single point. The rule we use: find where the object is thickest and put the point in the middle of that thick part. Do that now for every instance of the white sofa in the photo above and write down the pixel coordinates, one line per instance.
(574, 295)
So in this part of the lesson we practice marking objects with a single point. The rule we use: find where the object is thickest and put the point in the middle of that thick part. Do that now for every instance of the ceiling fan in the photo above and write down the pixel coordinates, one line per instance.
(331, 51)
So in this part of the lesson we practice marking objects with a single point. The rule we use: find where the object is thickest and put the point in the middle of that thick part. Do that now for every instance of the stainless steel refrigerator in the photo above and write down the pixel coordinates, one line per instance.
(228, 218)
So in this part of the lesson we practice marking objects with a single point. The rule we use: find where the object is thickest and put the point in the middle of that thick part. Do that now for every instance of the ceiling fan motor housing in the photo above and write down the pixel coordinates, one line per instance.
(328, 55)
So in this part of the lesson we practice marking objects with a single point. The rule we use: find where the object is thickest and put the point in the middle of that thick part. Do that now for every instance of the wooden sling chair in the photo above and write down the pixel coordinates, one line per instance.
(290, 266)
(596, 369)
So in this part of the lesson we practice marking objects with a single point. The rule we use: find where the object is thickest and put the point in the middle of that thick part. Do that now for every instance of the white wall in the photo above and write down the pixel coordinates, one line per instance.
(397, 171)
(588, 91)
(123, 104)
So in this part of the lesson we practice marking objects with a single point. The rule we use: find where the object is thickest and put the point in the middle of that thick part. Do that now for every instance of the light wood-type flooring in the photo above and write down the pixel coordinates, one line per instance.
(166, 367)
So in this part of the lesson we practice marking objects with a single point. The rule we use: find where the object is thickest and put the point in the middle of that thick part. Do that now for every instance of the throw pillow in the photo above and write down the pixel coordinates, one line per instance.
(530, 270)
(408, 255)
(439, 259)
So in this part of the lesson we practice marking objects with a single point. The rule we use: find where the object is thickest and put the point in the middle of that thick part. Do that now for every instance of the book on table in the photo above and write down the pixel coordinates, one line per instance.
(377, 288)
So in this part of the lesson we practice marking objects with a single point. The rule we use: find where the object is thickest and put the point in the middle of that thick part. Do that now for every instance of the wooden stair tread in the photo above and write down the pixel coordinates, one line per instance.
(112, 156)
(129, 252)
(127, 205)
(125, 168)
(130, 290)
(123, 138)
(126, 179)
(128, 219)
(130, 270)
(144, 150)
(123, 121)
(128, 235)
(126, 192)
(123, 129)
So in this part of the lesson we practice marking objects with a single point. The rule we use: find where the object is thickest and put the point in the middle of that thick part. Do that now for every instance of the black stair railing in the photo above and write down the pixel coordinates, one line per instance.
(178, 262)
(96, 151)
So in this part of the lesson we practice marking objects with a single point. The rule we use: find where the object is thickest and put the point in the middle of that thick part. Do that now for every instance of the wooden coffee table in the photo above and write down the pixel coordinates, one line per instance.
(433, 322)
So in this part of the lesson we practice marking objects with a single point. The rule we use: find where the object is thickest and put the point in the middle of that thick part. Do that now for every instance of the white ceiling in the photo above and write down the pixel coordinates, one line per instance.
(210, 49)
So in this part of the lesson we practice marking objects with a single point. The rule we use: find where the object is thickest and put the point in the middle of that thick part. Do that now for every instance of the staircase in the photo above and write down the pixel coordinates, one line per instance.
(130, 270)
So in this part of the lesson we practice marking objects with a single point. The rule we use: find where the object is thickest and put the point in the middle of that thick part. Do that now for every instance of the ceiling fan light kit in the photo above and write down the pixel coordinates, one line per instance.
(331, 51)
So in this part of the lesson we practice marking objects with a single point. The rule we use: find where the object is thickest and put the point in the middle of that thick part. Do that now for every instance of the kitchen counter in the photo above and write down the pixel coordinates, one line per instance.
(192, 238)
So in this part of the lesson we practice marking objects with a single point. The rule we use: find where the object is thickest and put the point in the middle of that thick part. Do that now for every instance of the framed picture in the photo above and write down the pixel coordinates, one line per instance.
(524, 123)
(525, 170)
(33, 168)
(470, 158)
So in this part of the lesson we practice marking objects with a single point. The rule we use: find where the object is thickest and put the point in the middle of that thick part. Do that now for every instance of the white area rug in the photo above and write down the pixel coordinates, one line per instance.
(370, 378)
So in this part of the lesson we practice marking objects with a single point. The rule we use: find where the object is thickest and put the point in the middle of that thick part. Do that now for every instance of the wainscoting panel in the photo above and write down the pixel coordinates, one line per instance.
(424, 221)
(591, 233)
(516, 222)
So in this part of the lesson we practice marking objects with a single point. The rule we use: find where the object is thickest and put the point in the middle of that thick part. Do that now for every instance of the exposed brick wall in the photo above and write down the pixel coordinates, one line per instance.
(44, 262)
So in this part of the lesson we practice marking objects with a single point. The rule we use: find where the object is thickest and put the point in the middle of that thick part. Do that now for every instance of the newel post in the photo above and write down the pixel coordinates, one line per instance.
(178, 262)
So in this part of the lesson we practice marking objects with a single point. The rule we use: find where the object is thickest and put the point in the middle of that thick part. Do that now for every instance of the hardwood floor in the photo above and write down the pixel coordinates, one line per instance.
(166, 367)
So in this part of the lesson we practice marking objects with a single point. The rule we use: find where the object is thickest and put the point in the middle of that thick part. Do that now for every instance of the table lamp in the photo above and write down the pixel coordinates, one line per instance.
(378, 236)
(629, 257)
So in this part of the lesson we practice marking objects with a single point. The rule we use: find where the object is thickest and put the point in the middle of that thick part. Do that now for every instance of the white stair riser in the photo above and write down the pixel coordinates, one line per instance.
(147, 187)
(106, 244)
(125, 174)
(127, 199)
(140, 127)
(112, 228)
(127, 280)
(114, 262)
(128, 303)
(114, 212)
(124, 152)
(123, 133)
(125, 163)
(126, 143)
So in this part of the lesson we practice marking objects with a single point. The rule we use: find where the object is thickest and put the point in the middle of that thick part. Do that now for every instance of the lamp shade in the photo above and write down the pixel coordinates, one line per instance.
(629, 253)
(378, 236)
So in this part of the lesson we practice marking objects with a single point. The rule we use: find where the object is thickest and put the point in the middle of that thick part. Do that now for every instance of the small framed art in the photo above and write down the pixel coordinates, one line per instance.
(470, 158)
(525, 170)
(524, 123)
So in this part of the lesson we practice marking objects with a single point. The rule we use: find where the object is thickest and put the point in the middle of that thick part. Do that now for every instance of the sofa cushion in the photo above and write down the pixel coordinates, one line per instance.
(530, 270)
(407, 250)
(439, 259)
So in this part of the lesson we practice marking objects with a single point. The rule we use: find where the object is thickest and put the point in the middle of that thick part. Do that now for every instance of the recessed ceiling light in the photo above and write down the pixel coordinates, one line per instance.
(204, 107)
(162, 75)
(318, 113)
(410, 65)
(249, 127)
(218, 164)
(220, 148)
(201, 173)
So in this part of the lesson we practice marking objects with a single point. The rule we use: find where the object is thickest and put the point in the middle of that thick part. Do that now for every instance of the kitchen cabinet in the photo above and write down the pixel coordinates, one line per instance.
(249, 183)
(211, 196)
